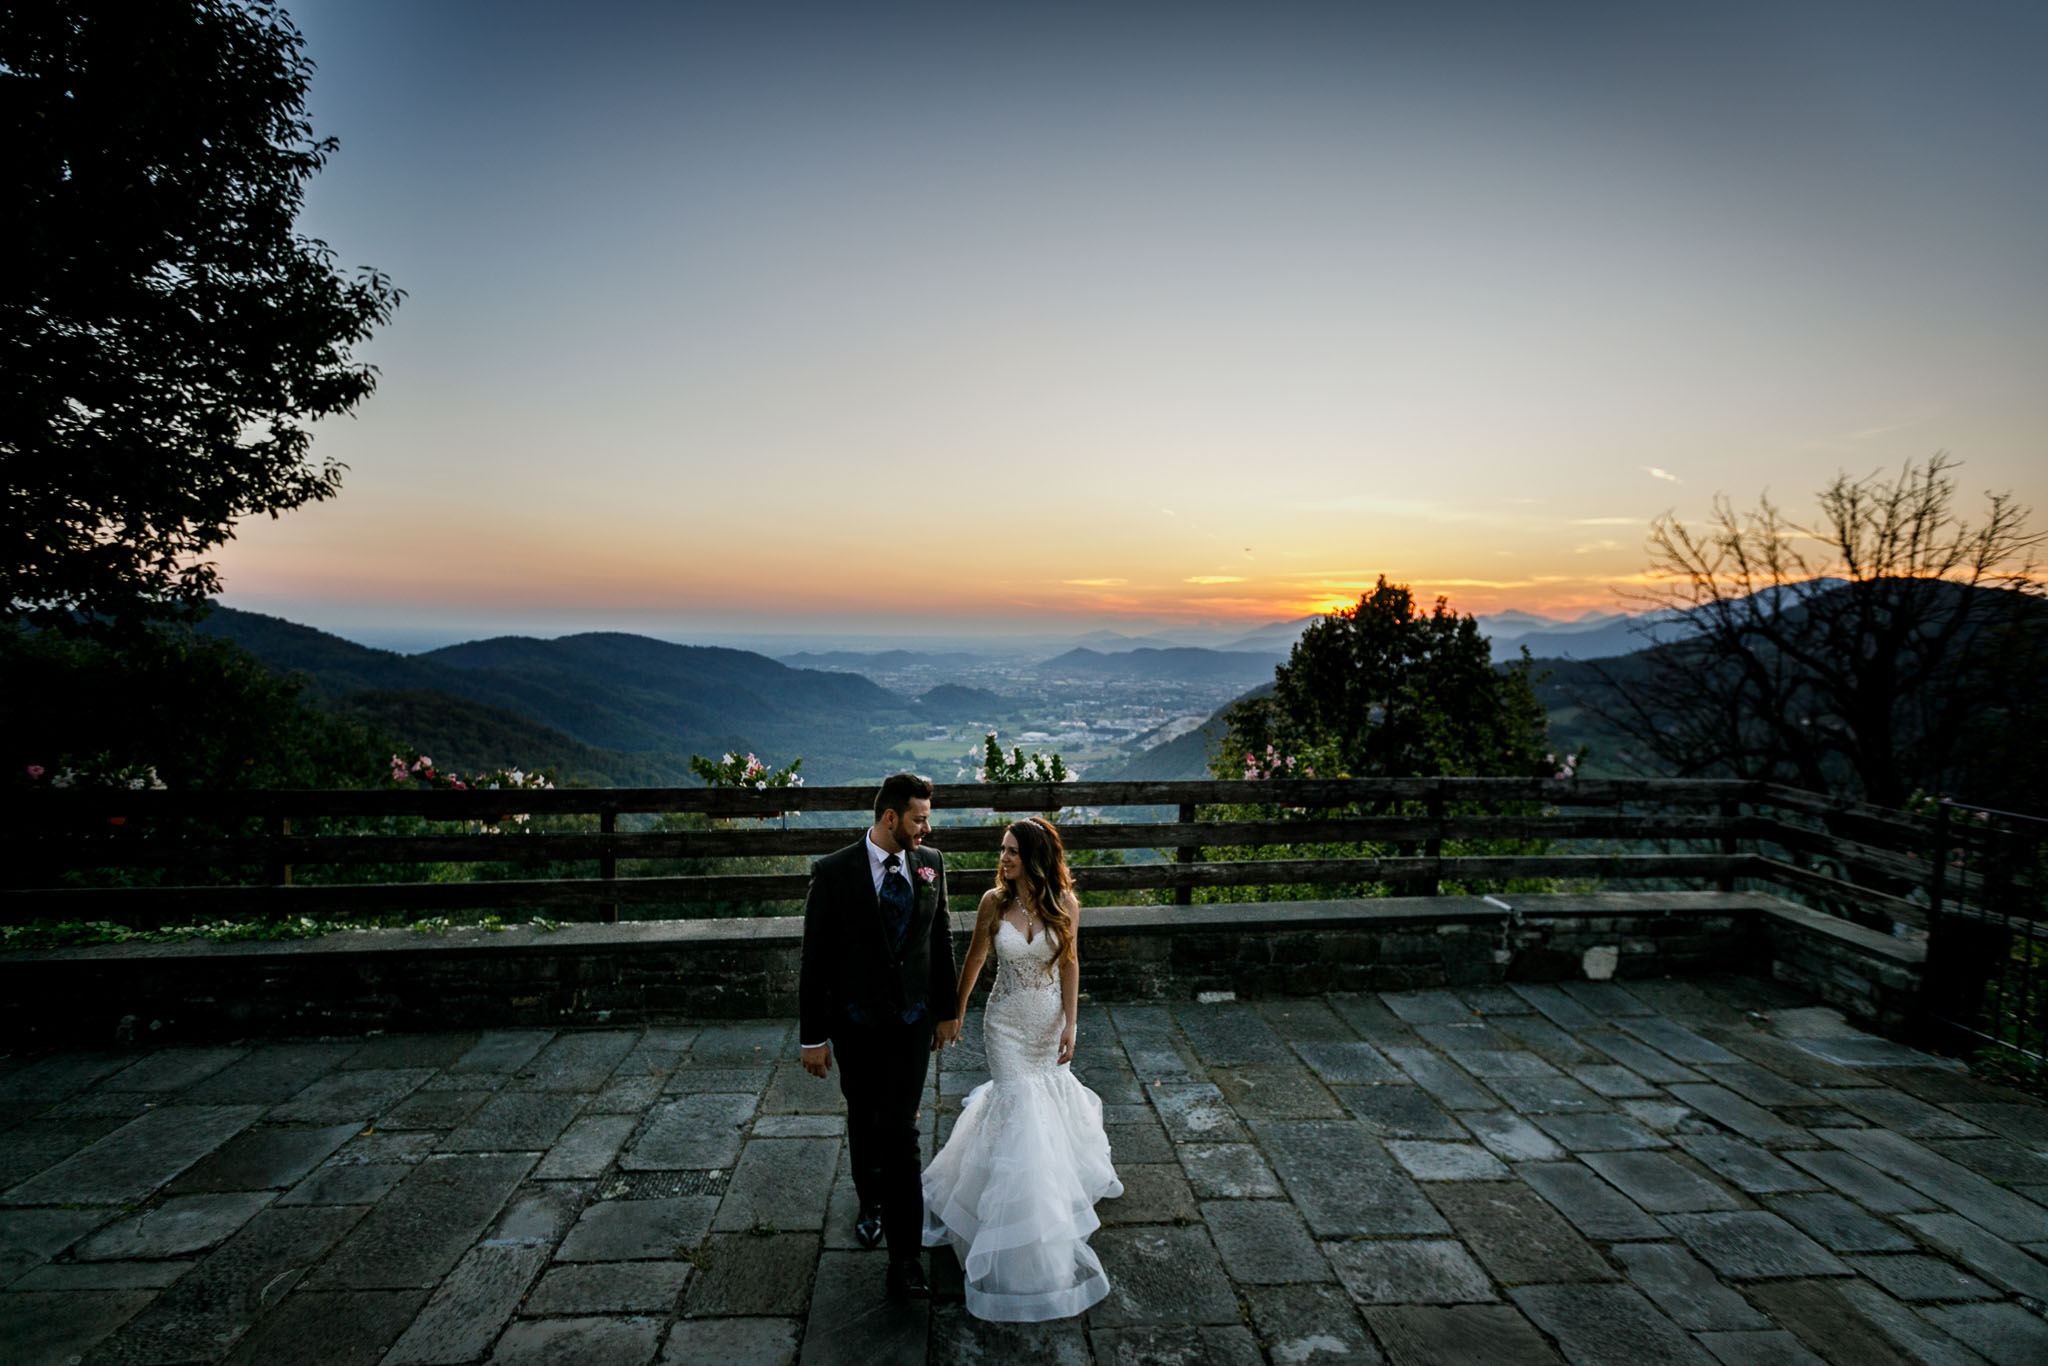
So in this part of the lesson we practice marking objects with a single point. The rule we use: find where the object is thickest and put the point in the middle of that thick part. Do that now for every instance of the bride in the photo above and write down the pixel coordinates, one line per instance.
(1014, 1188)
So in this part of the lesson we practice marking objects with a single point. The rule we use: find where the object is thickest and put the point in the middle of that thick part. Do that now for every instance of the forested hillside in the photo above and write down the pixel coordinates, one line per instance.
(604, 707)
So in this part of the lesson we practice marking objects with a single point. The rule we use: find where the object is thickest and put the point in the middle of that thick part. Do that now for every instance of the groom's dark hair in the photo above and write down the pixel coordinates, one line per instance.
(898, 790)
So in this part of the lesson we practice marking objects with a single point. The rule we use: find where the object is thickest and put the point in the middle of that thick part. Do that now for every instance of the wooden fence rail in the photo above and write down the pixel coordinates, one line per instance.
(1752, 830)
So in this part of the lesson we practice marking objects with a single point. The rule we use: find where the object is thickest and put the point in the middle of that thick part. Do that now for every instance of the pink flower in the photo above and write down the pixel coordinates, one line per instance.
(928, 874)
(35, 770)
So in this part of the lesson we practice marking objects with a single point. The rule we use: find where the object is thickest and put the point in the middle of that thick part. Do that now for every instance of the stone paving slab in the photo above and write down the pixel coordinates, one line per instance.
(181, 1225)
(1402, 1112)
(39, 1326)
(1419, 1335)
(1608, 1325)
(322, 1327)
(417, 1233)
(1311, 1325)
(1682, 1171)
(1517, 1236)
(661, 1229)
(1410, 1271)
(132, 1162)
(263, 1158)
(1685, 1289)
(739, 1342)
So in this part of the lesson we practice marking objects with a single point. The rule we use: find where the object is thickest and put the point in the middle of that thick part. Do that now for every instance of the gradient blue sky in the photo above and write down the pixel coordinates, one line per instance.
(765, 316)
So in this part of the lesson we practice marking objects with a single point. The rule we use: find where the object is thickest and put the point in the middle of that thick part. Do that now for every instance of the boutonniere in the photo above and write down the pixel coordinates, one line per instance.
(930, 875)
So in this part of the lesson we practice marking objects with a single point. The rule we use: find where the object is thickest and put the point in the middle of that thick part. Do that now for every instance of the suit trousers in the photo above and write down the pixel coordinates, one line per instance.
(882, 1070)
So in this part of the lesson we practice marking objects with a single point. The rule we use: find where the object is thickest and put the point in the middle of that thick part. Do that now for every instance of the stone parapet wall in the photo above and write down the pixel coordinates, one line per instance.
(1872, 977)
(363, 981)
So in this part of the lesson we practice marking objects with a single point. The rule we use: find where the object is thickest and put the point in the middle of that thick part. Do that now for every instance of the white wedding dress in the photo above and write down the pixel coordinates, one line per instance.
(1015, 1187)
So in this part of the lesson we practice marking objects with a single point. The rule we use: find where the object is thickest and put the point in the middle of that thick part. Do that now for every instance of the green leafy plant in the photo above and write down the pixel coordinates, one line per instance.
(1017, 766)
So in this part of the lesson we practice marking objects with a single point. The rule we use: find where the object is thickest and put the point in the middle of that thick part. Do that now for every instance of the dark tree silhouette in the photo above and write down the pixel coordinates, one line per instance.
(1385, 690)
(165, 334)
(1866, 653)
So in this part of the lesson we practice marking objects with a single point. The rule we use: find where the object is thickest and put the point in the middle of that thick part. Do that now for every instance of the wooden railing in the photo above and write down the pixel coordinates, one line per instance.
(251, 846)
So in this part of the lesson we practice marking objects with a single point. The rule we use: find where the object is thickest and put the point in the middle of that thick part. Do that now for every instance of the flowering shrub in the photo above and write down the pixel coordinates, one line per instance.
(733, 770)
(413, 769)
(1017, 767)
(1565, 765)
(1274, 764)
(100, 771)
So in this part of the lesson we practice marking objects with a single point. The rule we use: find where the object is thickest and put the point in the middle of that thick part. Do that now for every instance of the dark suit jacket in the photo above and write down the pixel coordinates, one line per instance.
(847, 958)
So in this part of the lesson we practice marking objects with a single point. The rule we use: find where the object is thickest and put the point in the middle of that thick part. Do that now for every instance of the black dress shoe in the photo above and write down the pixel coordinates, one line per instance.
(867, 1229)
(906, 1279)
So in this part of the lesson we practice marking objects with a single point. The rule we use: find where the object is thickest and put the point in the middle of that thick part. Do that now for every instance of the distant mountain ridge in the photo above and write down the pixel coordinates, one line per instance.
(655, 693)
(622, 694)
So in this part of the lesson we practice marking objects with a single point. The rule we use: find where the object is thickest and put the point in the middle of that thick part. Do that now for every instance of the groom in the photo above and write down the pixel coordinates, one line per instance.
(877, 985)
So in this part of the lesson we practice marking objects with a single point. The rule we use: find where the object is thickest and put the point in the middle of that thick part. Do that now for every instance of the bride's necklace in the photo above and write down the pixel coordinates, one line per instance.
(1031, 928)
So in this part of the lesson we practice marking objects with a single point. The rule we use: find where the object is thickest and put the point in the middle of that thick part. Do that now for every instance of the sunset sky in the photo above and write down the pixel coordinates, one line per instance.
(910, 319)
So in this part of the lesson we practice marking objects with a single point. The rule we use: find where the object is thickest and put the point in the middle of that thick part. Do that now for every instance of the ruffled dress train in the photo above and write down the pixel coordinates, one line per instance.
(1014, 1189)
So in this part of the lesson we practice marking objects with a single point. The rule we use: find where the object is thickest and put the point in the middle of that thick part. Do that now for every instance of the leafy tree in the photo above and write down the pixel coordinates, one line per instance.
(1870, 652)
(1381, 690)
(1385, 690)
(167, 335)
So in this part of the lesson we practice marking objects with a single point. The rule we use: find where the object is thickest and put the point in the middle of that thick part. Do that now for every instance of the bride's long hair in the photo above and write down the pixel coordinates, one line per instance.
(1044, 887)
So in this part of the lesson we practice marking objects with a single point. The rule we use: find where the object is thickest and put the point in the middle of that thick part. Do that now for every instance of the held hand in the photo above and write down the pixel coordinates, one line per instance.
(948, 1031)
(1066, 1045)
(818, 1061)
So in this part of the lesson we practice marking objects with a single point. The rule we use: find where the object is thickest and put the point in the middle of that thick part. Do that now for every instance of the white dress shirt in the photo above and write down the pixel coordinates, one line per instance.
(878, 858)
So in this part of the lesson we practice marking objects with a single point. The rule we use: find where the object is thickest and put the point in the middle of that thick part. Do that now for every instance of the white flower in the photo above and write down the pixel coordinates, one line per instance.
(135, 784)
(760, 787)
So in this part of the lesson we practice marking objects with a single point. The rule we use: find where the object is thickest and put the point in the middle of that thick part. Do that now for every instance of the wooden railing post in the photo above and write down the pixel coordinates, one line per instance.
(1433, 847)
(1731, 812)
(1184, 895)
(608, 863)
(276, 871)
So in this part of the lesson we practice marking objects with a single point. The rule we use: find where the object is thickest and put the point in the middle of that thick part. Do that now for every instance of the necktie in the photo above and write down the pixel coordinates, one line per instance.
(894, 899)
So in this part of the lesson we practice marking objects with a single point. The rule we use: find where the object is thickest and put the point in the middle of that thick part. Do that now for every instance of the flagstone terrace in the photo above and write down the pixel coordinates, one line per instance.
(1683, 1171)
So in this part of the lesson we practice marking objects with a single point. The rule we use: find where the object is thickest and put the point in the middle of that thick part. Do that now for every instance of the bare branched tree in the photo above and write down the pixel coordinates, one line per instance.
(1852, 654)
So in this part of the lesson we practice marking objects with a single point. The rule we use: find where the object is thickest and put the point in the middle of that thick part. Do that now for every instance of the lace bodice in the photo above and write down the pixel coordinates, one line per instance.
(1022, 962)
(1021, 1027)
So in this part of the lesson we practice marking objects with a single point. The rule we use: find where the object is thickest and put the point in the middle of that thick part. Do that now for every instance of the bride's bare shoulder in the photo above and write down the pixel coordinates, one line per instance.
(991, 904)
